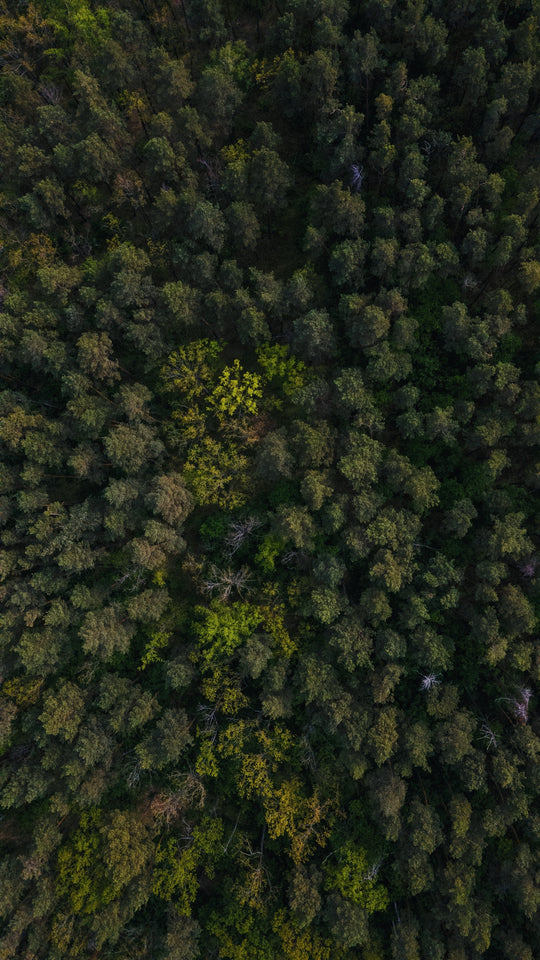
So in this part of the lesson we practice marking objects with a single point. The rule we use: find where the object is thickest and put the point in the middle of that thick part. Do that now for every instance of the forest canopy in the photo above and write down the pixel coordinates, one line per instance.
(269, 424)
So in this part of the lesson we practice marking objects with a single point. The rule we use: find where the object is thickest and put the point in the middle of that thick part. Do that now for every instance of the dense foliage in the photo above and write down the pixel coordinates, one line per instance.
(269, 417)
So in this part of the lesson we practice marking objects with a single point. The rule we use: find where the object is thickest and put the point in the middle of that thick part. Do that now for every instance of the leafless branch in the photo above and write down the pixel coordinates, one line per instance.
(373, 871)
(357, 177)
(225, 582)
(487, 734)
(239, 531)
(520, 706)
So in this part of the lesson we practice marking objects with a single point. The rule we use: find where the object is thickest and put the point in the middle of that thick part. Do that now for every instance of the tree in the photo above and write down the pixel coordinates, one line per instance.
(207, 223)
(471, 76)
(348, 921)
(274, 459)
(132, 447)
(314, 336)
(294, 525)
(364, 62)
(337, 139)
(127, 847)
(464, 175)
(164, 745)
(269, 180)
(182, 936)
(383, 734)
(336, 211)
(304, 895)
(162, 163)
(405, 941)
(354, 397)
(458, 520)
(105, 632)
(366, 326)
(382, 151)
(419, 746)
(235, 397)
(315, 489)
(347, 263)
(95, 357)
(318, 79)
(514, 86)
(62, 712)
(243, 225)
(170, 499)
(425, 833)
(313, 443)
(217, 97)
(353, 640)
(384, 254)
(530, 275)
(360, 465)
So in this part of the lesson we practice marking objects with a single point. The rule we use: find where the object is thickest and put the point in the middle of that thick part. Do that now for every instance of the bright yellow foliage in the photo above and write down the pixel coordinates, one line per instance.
(274, 623)
(24, 692)
(301, 944)
(236, 394)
